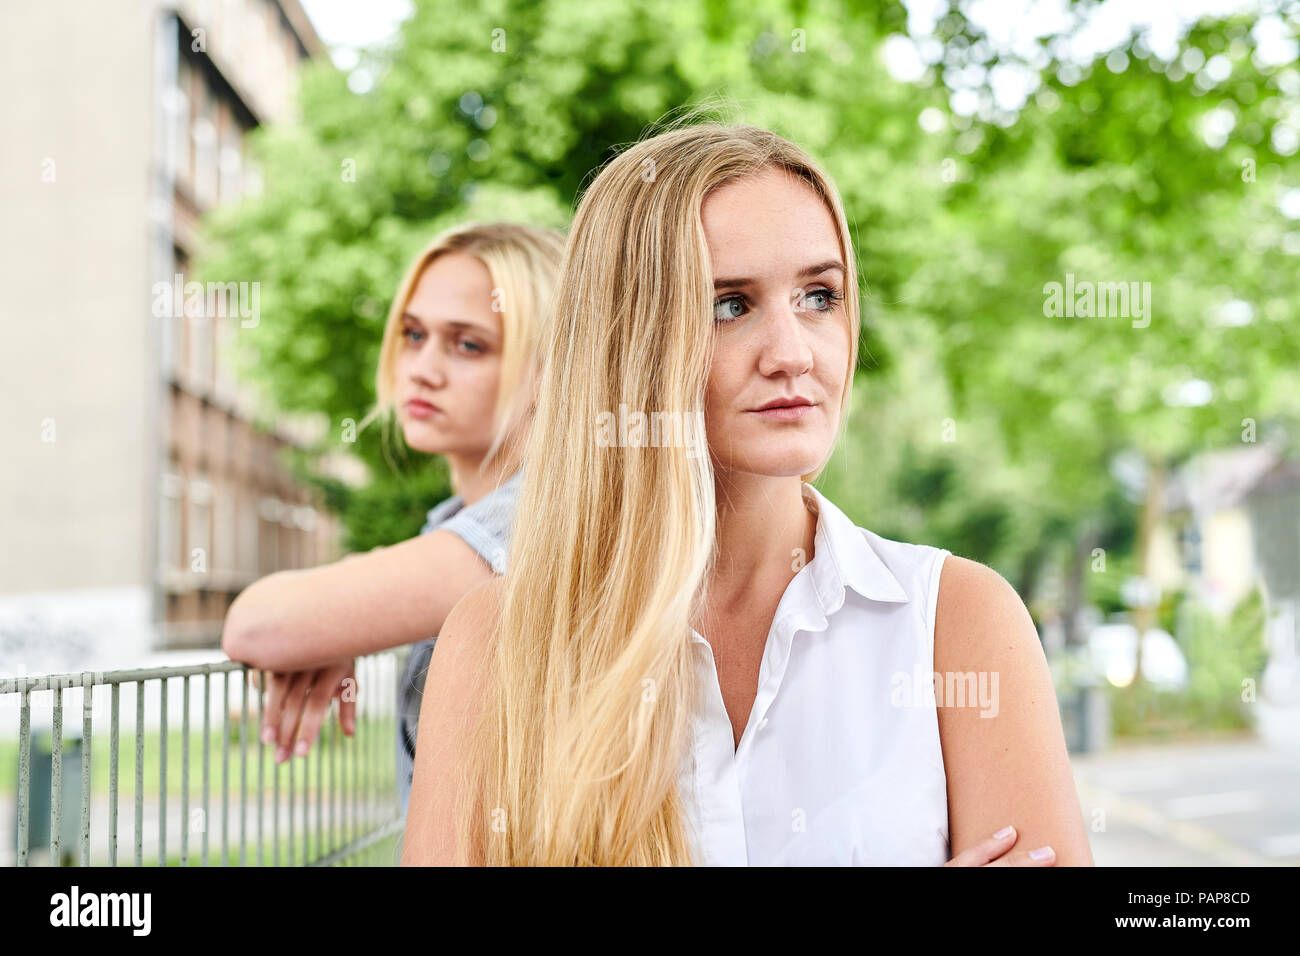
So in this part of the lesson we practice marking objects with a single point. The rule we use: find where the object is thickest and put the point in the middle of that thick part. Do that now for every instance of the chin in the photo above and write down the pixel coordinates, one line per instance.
(422, 439)
(771, 466)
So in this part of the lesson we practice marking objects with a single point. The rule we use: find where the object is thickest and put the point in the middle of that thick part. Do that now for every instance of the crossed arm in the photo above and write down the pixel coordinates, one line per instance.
(1010, 767)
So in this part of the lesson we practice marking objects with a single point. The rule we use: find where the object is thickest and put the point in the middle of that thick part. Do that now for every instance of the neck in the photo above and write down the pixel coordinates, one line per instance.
(471, 483)
(765, 534)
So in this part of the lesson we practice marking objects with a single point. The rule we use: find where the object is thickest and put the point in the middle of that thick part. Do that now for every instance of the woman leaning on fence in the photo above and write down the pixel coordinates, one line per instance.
(458, 371)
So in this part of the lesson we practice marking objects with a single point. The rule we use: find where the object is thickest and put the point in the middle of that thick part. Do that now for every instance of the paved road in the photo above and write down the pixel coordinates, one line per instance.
(1231, 801)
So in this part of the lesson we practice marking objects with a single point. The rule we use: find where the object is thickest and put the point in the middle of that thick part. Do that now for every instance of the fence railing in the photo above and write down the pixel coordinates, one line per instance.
(336, 805)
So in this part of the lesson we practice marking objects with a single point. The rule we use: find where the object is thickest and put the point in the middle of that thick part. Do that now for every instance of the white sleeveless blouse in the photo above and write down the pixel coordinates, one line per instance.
(840, 763)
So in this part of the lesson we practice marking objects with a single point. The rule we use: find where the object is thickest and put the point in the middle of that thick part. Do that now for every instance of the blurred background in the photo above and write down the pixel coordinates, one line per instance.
(1078, 226)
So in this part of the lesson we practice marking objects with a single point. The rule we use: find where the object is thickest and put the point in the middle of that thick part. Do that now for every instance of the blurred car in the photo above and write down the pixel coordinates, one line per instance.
(1112, 653)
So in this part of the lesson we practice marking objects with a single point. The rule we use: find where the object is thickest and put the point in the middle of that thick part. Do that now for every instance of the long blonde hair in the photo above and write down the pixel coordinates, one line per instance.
(523, 262)
(590, 685)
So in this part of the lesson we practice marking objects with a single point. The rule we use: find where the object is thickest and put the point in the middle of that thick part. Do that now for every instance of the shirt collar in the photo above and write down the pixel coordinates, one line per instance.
(440, 513)
(842, 557)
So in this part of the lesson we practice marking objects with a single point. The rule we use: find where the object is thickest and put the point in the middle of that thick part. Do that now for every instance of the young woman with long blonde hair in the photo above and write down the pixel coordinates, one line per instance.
(458, 372)
(697, 658)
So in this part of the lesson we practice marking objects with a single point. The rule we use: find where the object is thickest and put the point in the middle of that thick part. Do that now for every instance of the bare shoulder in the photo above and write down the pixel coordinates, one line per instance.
(452, 701)
(464, 641)
(475, 614)
(1003, 747)
(974, 599)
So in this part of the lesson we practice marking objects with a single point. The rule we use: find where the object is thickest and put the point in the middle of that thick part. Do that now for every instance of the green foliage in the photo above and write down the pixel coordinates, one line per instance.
(1106, 175)
(455, 129)
(1224, 658)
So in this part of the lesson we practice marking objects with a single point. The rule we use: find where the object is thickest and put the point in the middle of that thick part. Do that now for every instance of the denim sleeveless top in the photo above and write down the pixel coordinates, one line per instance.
(485, 527)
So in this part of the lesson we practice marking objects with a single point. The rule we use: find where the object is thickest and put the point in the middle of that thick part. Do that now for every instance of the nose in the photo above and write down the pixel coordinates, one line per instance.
(426, 370)
(785, 349)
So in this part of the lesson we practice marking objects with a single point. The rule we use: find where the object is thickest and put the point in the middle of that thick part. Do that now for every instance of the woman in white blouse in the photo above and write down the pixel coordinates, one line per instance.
(697, 658)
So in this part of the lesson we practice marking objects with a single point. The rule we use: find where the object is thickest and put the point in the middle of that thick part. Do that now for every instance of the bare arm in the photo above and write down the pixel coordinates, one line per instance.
(295, 620)
(454, 685)
(1010, 767)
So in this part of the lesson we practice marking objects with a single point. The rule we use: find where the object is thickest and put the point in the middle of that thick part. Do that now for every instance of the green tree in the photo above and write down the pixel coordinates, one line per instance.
(504, 110)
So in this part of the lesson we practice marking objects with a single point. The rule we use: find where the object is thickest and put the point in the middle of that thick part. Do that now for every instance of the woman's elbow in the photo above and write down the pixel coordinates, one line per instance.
(245, 634)
(236, 636)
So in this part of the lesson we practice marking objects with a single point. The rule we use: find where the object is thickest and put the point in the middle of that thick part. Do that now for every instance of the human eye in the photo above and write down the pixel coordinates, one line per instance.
(412, 336)
(728, 309)
(828, 299)
(474, 347)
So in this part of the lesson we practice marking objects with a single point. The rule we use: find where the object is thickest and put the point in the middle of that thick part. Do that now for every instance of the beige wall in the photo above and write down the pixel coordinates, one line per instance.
(76, 325)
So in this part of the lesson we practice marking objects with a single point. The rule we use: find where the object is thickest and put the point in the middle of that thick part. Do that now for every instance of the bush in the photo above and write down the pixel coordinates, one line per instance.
(1222, 655)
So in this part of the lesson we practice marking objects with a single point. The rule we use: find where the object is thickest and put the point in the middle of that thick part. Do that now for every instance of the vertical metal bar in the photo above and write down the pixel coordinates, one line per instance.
(139, 773)
(334, 789)
(87, 702)
(261, 752)
(349, 790)
(243, 772)
(162, 773)
(320, 766)
(355, 762)
(275, 815)
(114, 718)
(185, 771)
(289, 762)
(306, 808)
(24, 770)
(207, 746)
(368, 667)
(56, 777)
(225, 769)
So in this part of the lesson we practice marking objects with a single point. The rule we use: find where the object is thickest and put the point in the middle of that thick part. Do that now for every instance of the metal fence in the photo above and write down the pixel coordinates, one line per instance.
(336, 806)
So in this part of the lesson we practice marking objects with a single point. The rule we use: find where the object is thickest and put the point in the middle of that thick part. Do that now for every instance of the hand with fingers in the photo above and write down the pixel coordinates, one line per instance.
(996, 851)
(298, 701)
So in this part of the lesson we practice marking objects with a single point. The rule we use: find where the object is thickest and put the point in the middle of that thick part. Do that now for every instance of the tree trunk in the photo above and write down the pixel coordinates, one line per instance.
(1152, 507)
(1079, 566)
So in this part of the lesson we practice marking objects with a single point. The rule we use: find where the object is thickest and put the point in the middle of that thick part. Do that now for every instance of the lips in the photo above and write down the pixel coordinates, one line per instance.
(419, 408)
(784, 409)
(790, 401)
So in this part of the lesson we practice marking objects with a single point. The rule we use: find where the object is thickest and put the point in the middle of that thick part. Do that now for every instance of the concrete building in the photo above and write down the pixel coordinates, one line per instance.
(137, 497)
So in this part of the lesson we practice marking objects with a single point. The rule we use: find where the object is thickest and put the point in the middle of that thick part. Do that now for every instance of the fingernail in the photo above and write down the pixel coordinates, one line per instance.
(302, 748)
(1042, 853)
(280, 754)
(268, 735)
(1004, 832)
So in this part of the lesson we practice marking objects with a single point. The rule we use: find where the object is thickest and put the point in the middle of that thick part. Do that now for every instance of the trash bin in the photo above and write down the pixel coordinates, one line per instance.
(1095, 709)
(40, 790)
(1085, 716)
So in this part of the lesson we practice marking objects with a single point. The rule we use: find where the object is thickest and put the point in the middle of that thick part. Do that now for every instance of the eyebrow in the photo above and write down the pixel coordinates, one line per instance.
(455, 325)
(807, 273)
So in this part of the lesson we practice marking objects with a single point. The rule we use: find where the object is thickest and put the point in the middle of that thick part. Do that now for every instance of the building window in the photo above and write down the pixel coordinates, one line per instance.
(199, 334)
(268, 535)
(205, 146)
(223, 529)
(198, 556)
(231, 167)
(179, 114)
(170, 531)
(248, 533)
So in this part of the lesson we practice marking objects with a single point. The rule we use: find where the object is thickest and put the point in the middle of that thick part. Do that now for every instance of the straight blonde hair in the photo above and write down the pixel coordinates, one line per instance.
(523, 262)
(590, 685)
